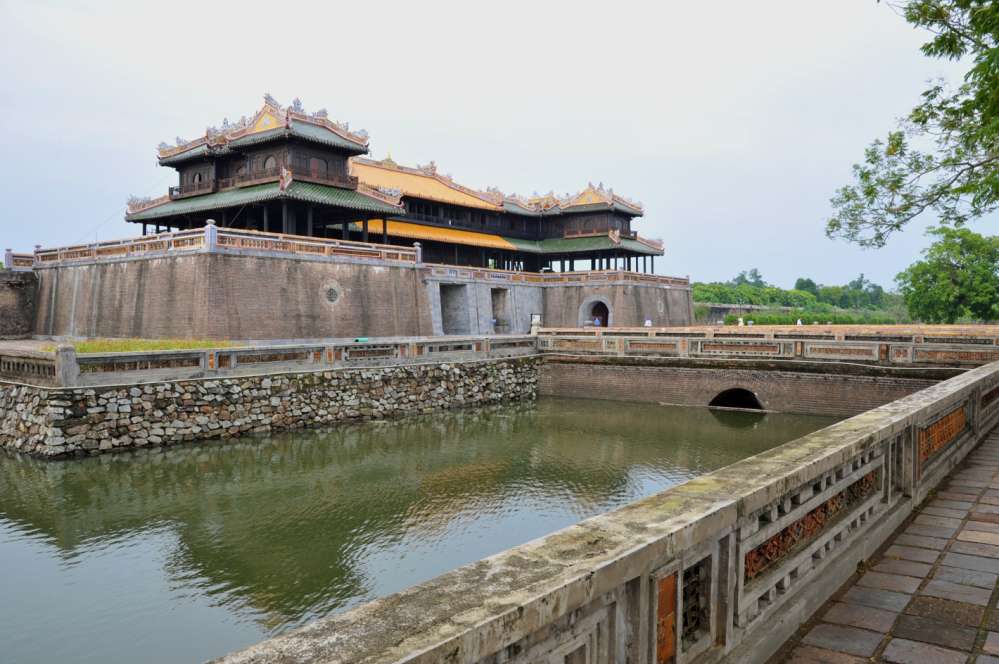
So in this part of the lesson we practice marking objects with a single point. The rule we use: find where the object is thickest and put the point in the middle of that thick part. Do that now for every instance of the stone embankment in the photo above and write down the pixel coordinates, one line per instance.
(52, 422)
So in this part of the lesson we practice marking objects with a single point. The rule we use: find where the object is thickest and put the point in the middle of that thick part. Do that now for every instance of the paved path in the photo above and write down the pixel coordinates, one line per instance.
(931, 597)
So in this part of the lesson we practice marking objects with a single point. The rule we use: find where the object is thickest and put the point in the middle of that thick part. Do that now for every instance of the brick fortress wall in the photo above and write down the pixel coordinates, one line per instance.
(18, 297)
(841, 395)
(228, 296)
(630, 304)
(51, 422)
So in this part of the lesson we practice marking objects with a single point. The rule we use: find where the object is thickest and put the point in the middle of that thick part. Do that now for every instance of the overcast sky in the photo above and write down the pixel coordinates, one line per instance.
(733, 122)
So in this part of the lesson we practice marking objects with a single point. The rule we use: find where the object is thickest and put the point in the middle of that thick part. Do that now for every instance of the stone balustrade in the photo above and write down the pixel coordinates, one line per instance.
(64, 368)
(887, 345)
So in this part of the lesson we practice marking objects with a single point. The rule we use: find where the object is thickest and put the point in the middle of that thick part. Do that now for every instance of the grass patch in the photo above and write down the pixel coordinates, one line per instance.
(139, 345)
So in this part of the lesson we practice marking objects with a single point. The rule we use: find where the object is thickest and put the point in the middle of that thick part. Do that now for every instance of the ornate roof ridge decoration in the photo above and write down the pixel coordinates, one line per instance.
(655, 243)
(271, 116)
(536, 203)
(388, 196)
(140, 203)
(428, 171)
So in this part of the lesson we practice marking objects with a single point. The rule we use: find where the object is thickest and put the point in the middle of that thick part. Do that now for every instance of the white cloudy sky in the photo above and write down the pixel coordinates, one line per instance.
(734, 122)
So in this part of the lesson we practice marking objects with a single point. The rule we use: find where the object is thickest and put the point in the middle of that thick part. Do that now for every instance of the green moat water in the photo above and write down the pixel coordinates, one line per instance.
(184, 554)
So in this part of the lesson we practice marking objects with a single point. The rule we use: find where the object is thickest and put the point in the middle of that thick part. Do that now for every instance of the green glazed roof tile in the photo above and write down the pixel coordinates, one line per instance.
(299, 191)
(559, 245)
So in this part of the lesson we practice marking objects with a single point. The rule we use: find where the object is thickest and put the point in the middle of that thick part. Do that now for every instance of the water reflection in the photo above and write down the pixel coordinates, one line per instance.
(183, 554)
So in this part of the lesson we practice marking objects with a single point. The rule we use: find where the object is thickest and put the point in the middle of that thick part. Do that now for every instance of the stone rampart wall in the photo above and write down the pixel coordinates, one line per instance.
(18, 298)
(784, 390)
(53, 422)
(222, 294)
(629, 304)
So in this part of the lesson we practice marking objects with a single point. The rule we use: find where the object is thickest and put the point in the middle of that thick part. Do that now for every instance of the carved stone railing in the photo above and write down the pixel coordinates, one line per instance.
(65, 368)
(884, 345)
(722, 568)
(212, 236)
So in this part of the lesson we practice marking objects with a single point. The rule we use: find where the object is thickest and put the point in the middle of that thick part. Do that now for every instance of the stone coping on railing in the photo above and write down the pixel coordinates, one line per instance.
(886, 345)
(65, 368)
(612, 587)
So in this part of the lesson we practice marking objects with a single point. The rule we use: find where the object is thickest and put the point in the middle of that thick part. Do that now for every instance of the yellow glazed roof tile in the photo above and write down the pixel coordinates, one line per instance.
(419, 186)
(419, 232)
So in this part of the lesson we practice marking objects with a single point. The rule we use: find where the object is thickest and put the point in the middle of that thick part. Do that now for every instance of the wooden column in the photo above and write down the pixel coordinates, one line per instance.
(284, 216)
(143, 228)
(384, 231)
(652, 263)
(309, 230)
(345, 225)
(225, 217)
(266, 225)
(364, 229)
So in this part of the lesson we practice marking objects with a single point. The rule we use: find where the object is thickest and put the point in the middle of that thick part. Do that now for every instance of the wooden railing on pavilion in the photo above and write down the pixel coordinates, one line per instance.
(192, 189)
(597, 232)
(324, 177)
(299, 173)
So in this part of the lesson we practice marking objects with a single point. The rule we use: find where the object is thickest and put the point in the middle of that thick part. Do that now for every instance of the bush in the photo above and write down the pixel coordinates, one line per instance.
(806, 319)
(731, 319)
(844, 319)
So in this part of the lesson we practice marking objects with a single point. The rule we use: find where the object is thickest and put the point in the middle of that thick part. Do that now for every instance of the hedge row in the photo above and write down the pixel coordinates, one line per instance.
(809, 319)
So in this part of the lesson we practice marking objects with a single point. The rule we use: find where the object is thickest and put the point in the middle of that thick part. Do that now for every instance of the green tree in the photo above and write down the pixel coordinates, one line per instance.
(956, 277)
(753, 278)
(807, 285)
(958, 179)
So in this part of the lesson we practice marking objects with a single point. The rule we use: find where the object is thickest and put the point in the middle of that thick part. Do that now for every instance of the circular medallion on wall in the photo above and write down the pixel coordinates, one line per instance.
(332, 293)
(661, 307)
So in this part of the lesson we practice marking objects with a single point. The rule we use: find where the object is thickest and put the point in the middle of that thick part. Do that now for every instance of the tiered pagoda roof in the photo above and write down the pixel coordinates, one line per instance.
(426, 183)
(270, 122)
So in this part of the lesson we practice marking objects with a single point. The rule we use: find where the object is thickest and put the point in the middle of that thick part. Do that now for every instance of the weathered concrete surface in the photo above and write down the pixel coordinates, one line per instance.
(628, 304)
(18, 298)
(541, 594)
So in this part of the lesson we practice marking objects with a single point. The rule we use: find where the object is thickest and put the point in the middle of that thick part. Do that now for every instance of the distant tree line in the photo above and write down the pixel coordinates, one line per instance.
(750, 288)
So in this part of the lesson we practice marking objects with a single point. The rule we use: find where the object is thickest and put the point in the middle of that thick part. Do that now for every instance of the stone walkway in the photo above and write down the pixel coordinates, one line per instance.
(931, 597)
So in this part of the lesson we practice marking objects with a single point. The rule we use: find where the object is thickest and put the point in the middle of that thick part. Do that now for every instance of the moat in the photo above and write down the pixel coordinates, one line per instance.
(184, 554)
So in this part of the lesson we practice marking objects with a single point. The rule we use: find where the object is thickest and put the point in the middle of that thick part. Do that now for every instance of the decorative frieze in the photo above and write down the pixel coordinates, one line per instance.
(941, 432)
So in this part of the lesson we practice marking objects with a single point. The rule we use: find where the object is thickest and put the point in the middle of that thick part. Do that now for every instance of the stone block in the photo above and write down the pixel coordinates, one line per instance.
(904, 568)
(938, 632)
(881, 581)
(957, 593)
(809, 655)
(966, 577)
(931, 531)
(912, 553)
(942, 609)
(879, 599)
(865, 617)
(976, 563)
(844, 639)
(935, 543)
(903, 651)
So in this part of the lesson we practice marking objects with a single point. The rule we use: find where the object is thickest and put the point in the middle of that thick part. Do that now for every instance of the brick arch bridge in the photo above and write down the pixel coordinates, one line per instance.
(841, 395)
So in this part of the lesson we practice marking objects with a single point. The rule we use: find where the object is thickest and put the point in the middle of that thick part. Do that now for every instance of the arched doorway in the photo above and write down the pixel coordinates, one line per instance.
(737, 398)
(599, 310)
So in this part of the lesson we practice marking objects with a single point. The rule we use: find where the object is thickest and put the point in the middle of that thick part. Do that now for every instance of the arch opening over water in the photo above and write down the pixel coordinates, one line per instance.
(737, 397)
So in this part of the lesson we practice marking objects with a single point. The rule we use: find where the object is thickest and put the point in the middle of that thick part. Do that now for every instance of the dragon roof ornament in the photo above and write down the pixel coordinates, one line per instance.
(272, 116)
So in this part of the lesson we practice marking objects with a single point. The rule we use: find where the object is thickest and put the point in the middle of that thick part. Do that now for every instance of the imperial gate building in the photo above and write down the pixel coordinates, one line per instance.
(286, 223)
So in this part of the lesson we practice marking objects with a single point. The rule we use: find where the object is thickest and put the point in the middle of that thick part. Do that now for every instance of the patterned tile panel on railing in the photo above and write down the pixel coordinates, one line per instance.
(934, 436)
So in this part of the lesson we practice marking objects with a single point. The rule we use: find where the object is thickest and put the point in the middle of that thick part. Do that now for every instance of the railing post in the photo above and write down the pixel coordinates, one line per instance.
(8, 259)
(419, 253)
(67, 370)
(211, 233)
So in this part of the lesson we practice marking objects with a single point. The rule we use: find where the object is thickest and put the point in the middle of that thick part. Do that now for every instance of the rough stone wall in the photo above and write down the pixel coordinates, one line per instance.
(785, 391)
(18, 291)
(228, 296)
(56, 422)
(630, 304)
